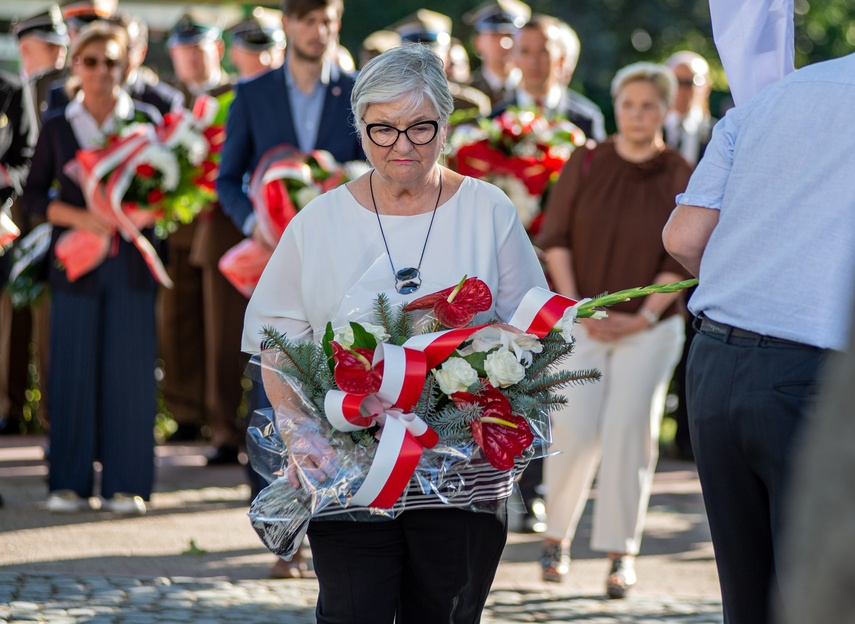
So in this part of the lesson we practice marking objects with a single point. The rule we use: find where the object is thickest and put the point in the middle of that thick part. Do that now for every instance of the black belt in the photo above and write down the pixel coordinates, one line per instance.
(713, 328)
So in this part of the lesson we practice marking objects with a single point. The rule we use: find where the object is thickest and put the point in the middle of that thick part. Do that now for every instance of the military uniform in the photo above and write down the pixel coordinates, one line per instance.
(24, 103)
(434, 29)
(201, 318)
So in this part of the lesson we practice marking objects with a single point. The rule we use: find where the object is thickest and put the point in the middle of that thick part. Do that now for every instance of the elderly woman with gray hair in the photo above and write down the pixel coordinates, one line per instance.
(407, 228)
(603, 232)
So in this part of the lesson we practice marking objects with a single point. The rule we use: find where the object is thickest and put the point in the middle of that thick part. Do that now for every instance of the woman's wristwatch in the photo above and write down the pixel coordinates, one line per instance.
(651, 316)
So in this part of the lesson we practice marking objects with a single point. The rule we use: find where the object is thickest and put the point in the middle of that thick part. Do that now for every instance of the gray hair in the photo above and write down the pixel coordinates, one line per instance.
(413, 71)
(659, 76)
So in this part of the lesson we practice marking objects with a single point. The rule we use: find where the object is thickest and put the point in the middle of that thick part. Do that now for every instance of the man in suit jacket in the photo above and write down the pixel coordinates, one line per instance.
(545, 77)
(305, 103)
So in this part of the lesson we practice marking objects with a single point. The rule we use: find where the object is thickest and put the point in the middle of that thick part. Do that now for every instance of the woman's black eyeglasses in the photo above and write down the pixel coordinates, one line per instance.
(91, 62)
(420, 133)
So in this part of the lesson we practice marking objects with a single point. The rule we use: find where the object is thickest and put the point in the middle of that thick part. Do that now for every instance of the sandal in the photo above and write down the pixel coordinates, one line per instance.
(554, 562)
(621, 577)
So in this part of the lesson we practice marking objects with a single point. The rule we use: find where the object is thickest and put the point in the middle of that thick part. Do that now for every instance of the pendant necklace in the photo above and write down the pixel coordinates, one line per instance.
(407, 280)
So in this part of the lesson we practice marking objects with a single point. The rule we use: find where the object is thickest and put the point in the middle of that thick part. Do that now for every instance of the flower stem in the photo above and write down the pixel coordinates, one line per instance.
(588, 308)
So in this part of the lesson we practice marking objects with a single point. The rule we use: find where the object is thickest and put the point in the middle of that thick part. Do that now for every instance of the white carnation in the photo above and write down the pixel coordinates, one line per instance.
(503, 369)
(305, 195)
(455, 375)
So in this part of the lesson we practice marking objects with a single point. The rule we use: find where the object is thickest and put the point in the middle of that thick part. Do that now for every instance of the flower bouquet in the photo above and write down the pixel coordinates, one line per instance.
(284, 181)
(377, 413)
(520, 151)
(143, 176)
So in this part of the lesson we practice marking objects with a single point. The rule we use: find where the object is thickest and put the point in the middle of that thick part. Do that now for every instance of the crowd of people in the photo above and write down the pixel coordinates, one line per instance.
(96, 339)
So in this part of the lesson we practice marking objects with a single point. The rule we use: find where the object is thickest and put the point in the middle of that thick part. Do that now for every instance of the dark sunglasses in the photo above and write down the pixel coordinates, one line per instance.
(90, 62)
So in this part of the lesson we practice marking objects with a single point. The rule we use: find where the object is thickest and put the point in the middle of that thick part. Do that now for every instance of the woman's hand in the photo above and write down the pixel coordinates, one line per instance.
(310, 453)
(65, 215)
(615, 326)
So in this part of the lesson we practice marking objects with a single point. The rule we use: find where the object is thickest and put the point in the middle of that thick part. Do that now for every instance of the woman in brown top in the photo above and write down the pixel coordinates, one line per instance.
(603, 232)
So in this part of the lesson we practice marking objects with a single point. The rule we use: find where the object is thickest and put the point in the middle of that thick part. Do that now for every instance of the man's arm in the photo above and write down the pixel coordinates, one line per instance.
(686, 235)
(235, 163)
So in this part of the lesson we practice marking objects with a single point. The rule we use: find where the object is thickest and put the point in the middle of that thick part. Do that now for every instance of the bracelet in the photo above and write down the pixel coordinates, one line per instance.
(650, 315)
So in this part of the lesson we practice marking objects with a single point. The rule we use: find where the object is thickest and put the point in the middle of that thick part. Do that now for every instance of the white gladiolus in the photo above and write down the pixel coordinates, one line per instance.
(503, 369)
(567, 320)
(492, 336)
(455, 375)
(344, 335)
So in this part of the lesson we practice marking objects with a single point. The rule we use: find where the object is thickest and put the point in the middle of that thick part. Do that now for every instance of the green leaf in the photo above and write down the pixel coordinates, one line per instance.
(476, 360)
(193, 549)
(362, 338)
(329, 335)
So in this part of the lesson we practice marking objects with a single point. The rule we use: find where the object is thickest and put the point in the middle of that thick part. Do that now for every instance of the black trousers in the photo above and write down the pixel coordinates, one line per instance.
(747, 399)
(431, 566)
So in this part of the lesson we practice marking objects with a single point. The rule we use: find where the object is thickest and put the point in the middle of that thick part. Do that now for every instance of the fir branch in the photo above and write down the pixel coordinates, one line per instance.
(383, 314)
(301, 358)
(561, 379)
(403, 327)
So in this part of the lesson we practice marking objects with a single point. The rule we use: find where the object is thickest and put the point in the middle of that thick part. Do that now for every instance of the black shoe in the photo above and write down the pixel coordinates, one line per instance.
(223, 456)
(9, 426)
(185, 433)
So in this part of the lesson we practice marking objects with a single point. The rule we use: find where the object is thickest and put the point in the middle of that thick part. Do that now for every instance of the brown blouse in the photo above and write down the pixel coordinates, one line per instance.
(610, 213)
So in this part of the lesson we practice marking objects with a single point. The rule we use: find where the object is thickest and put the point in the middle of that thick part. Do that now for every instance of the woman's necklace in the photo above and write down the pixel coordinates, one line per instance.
(409, 279)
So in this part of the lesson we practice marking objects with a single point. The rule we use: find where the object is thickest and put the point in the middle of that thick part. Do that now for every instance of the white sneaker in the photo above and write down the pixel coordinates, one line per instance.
(66, 501)
(127, 504)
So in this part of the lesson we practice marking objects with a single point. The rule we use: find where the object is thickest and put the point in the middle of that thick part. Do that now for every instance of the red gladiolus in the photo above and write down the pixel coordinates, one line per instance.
(500, 434)
(145, 170)
(353, 371)
(456, 306)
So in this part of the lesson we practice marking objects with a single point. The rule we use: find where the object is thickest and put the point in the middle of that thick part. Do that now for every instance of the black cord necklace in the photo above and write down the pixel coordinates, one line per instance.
(407, 280)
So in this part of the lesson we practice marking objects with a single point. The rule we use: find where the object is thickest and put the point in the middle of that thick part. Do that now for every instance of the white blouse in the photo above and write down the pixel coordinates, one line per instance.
(331, 262)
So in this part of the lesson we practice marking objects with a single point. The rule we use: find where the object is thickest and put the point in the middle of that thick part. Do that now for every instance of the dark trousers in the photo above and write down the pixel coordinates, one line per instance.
(423, 567)
(102, 381)
(747, 400)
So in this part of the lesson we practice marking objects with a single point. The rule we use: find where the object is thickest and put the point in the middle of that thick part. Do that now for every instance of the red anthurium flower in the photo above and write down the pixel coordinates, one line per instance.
(456, 306)
(500, 434)
(145, 170)
(353, 371)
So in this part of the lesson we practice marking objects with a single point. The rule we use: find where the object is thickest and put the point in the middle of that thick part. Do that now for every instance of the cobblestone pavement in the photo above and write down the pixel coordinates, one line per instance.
(194, 558)
(59, 599)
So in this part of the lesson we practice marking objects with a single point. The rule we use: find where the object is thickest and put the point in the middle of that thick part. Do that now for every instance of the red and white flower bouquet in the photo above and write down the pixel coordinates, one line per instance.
(284, 181)
(144, 176)
(520, 151)
(455, 398)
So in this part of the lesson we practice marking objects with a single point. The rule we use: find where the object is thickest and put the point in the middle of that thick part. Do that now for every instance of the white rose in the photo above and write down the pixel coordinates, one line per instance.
(503, 369)
(455, 375)
(378, 331)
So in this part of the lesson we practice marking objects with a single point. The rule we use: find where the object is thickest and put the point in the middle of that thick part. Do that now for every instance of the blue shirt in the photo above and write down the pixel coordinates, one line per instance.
(306, 108)
(781, 170)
